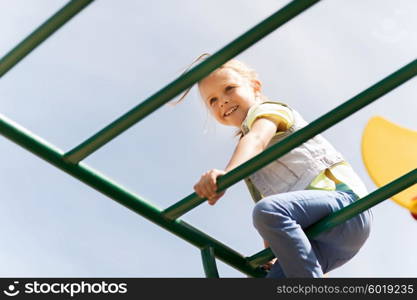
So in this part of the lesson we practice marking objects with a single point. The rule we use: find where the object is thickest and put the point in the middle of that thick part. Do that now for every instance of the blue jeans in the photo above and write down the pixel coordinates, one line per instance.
(281, 218)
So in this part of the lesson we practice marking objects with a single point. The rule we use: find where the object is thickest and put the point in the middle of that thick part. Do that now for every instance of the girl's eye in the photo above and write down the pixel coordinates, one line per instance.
(230, 87)
(212, 100)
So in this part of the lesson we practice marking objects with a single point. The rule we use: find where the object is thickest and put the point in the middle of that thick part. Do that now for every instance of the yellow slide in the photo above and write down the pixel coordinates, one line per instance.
(390, 151)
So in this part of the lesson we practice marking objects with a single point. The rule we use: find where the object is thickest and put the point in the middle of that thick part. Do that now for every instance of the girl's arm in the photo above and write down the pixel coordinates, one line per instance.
(253, 143)
(249, 146)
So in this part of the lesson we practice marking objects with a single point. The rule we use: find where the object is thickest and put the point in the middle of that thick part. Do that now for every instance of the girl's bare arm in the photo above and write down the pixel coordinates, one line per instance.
(249, 146)
(253, 143)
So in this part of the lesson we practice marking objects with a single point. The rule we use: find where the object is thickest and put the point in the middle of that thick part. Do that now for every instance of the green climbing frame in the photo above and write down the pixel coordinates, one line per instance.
(70, 162)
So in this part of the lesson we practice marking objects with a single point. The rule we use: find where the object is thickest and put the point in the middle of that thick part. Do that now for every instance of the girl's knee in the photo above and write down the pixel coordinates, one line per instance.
(360, 230)
(364, 228)
(354, 234)
(268, 210)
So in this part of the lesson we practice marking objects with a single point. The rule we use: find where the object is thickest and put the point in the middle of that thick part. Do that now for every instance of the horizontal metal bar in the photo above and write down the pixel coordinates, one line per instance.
(348, 212)
(101, 183)
(188, 79)
(297, 138)
(41, 34)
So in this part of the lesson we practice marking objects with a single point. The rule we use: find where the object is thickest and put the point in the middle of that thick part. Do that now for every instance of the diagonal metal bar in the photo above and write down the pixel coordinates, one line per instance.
(188, 79)
(348, 212)
(41, 34)
(297, 138)
(101, 183)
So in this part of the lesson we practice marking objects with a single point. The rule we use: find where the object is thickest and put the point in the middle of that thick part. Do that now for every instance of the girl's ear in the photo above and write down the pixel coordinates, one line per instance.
(257, 86)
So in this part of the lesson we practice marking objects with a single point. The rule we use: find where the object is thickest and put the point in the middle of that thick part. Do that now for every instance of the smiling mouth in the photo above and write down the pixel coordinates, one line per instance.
(230, 111)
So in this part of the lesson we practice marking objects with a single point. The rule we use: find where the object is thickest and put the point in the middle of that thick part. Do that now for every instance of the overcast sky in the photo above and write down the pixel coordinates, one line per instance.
(115, 54)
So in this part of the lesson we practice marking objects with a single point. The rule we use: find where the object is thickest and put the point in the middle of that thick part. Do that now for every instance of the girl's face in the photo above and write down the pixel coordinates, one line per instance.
(229, 95)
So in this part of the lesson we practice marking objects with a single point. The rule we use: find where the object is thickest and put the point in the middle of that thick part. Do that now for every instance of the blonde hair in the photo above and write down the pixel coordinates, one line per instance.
(233, 64)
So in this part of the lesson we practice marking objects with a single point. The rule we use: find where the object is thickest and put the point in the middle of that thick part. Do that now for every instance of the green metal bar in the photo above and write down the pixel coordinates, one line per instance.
(101, 183)
(348, 212)
(209, 262)
(41, 34)
(188, 79)
(297, 138)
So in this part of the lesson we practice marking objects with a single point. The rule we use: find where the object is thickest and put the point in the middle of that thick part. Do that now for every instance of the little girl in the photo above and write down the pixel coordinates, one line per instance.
(297, 190)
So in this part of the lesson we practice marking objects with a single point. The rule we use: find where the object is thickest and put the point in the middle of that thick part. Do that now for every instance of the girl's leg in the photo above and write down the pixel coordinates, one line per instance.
(280, 220)
(277, 271)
